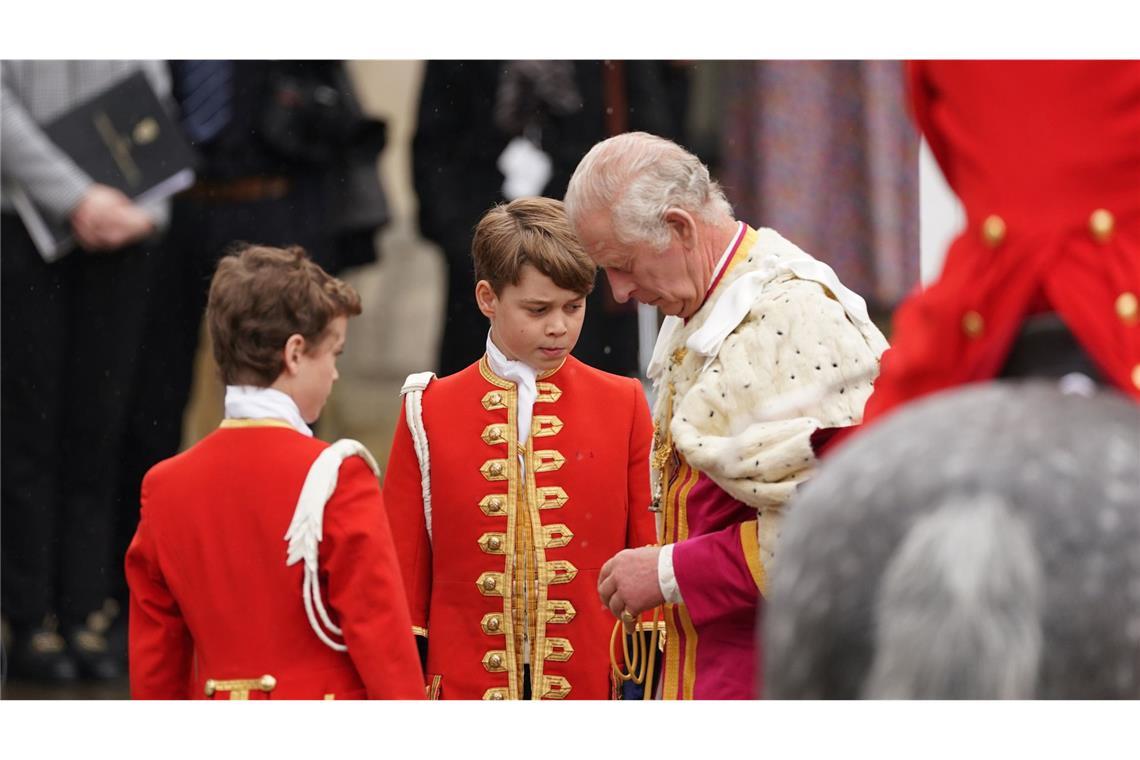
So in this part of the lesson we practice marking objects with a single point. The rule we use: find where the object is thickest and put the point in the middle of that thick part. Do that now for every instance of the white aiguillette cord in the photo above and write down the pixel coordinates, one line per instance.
(307, 528)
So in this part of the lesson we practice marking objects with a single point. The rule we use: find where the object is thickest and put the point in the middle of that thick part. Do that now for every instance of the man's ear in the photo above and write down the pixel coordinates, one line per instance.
(486, 299)
(294, 347)
(682, 227)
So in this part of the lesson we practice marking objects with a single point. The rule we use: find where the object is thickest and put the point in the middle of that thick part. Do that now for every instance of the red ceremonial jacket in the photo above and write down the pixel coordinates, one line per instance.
(1045, 157)
(212, 600)
(515, 548)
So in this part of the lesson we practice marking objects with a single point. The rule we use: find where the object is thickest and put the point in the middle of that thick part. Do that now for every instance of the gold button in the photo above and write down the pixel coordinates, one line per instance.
(993, 230)
(1136, 376)
(496, 469)
(493, 543)
(496, 398)
(1101, 223)
(493, 624)
(497, 696)
(1127, 307)
(495, 504)
(489, 583)
(495, 661)
(211, 687)
(494, 434)
(268, 683)
(973, 324)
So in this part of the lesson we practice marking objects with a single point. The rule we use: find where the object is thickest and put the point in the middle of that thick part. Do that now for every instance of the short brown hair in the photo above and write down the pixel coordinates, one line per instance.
(258, 298)
(531, 231)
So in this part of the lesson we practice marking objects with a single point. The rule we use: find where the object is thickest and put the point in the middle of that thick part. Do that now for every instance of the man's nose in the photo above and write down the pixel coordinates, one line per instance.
(621, 285)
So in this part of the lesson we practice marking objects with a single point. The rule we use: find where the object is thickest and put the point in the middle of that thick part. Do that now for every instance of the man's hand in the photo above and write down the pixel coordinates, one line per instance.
(628, 581)
(106, 220)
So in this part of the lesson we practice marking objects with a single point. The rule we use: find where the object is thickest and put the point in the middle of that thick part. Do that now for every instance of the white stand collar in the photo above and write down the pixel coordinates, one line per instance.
(251, 402)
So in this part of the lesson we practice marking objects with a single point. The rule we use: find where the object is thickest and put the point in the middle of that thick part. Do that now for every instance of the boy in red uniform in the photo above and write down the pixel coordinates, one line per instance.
(511, 482)
(221, 605)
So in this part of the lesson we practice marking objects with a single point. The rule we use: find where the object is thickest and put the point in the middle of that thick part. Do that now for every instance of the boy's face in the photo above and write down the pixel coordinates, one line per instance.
(535, 321)
(316, 371)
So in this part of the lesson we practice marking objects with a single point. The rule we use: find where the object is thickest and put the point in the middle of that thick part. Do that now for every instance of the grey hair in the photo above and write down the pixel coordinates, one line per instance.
(639, 176)
(959, 615)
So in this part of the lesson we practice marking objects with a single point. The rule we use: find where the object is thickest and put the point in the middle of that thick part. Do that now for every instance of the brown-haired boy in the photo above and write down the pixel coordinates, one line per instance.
(262, 555)
(512, 481)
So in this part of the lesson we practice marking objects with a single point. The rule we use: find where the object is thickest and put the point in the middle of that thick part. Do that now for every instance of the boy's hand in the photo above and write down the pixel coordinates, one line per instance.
(628, 581)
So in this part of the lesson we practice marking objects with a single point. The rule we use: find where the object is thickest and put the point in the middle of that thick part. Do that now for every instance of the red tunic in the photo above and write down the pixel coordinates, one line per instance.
(515, 548)
(1045, 157)
(212, 598)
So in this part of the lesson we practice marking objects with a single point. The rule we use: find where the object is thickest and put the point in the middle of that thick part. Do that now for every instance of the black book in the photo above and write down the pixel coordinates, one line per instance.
(122, 137)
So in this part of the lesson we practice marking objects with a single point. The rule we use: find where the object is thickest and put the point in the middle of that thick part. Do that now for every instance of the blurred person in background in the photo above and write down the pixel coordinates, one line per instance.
(72, 328)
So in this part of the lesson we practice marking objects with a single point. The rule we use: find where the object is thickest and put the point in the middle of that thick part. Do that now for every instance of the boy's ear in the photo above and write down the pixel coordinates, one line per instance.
(294, 347)
(486, 299)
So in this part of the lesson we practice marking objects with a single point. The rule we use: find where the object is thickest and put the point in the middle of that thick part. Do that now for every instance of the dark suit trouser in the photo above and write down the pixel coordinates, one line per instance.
(68, 341)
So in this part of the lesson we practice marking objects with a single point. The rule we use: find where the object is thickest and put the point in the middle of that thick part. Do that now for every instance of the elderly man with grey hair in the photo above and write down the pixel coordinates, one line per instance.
(763, 351)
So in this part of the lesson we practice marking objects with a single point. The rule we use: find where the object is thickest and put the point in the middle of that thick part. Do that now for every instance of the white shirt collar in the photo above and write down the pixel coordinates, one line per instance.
(521, 374)
(250, 402)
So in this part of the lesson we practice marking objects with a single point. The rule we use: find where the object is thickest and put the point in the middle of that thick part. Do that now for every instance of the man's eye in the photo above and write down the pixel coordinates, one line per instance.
(574, 306)
(538, 310)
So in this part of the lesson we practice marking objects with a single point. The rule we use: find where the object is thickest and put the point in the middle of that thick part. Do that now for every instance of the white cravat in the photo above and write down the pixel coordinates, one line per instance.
(250, 402)
(521, 374)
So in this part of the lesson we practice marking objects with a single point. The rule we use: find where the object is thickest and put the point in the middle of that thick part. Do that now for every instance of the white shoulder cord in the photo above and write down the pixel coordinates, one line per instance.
(413, 392)
(307, 528)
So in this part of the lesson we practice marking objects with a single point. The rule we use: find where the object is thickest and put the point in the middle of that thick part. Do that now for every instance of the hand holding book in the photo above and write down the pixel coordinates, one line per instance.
(106, 219)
